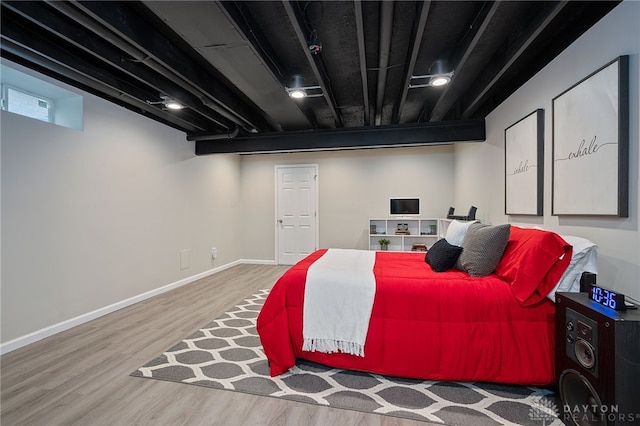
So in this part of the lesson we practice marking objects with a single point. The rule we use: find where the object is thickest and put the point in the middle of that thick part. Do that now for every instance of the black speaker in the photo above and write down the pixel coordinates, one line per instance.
(472, 213)
(586, 279)
(597, 362)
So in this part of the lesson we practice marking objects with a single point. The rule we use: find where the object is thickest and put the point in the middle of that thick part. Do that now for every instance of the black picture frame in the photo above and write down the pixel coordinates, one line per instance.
(524, 165)
(590, 167)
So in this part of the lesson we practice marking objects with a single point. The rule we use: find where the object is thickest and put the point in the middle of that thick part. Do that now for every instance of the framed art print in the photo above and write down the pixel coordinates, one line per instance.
(590, 170)
(523, 160)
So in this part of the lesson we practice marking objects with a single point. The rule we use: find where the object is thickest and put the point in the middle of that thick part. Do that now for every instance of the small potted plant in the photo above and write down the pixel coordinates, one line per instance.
(384, 243)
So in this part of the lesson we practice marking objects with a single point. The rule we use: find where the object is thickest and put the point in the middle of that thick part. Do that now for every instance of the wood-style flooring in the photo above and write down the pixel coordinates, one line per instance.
(81, 376)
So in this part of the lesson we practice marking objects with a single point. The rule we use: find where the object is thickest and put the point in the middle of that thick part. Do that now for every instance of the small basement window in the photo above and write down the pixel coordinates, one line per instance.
(27, 104)
(25, 93)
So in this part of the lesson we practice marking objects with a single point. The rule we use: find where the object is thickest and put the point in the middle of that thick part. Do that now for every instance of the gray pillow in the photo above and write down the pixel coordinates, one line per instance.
(482, 248)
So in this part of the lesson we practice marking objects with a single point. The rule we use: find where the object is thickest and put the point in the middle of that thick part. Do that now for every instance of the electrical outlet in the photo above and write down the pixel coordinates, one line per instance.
(214, 252)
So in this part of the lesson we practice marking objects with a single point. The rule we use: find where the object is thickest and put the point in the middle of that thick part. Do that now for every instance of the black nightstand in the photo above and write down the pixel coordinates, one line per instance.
(597, 362)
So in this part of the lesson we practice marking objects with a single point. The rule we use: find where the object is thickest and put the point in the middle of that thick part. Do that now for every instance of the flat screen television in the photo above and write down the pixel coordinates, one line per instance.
(404, 206)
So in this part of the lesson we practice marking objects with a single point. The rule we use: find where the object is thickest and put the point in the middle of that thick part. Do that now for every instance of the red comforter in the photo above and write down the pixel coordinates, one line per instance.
(439, 326)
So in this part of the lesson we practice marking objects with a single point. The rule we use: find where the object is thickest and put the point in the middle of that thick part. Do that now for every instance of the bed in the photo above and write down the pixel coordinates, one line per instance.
(440, 325)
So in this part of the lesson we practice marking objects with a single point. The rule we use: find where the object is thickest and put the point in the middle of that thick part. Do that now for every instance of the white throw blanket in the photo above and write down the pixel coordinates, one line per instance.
(338, 300)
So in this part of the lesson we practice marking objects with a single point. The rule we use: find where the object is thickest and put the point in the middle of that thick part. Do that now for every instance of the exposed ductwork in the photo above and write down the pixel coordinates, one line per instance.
(386, 25)
(214, 136)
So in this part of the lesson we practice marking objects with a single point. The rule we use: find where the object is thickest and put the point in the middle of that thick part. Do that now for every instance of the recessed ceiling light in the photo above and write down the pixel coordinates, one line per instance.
(297, 93)
(173, 105)
(440, 80)
(298, 90)
(439, 75)
(167, 102)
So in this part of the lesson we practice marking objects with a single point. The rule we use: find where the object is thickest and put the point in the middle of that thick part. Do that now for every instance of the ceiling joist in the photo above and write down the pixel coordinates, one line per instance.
(230, 62)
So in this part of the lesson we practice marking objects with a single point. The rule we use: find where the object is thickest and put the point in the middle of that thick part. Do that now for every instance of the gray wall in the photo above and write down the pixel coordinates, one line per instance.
(91, 218)
(353, 186)
(618, 239)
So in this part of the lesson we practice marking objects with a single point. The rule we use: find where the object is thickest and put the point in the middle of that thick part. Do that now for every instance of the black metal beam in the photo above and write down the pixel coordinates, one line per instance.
(351, 138)
(570, 22)
(384, 47)
(240, 15)
(67, 25)
(318, 67)
(362, 54)
(413, 55)
(526, 38)
(445, 102)
(22, 40)
(22, 56)
(122, 19)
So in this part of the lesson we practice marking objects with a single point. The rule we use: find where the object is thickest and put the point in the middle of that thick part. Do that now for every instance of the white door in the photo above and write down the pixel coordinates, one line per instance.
(296, 217)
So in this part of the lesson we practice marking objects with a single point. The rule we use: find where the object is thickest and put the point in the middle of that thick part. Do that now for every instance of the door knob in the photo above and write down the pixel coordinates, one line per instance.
(279, 220)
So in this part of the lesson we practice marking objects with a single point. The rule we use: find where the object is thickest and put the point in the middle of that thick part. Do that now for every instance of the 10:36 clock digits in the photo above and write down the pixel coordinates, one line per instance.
(607, 298)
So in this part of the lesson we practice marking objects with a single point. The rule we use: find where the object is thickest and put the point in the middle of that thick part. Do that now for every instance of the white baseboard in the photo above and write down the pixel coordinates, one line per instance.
(257, 262)
(27, 339)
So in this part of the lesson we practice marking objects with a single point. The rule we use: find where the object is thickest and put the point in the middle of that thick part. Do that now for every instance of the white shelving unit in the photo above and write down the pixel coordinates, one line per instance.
(443, 225)
(420, 231)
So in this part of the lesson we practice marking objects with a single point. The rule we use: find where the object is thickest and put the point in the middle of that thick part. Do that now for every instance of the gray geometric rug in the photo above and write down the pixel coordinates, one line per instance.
(227, 354)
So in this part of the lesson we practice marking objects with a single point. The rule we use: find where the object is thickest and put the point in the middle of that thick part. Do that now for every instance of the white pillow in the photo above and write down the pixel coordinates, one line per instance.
(581, 246)
(457, 230)
(583, 259)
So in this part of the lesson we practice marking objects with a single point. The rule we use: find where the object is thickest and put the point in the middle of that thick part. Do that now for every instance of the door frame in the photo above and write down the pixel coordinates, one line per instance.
(276, 228)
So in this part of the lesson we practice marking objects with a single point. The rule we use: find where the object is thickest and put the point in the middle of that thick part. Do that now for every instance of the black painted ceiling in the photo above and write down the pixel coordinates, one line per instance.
(231, 62)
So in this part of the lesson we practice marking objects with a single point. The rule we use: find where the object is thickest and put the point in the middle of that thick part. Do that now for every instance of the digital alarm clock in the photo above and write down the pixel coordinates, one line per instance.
(608, 298)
